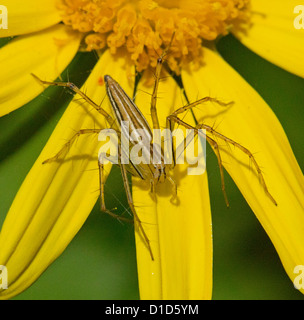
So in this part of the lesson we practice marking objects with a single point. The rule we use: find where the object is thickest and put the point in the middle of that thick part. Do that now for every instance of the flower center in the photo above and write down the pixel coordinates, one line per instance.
(145, 27)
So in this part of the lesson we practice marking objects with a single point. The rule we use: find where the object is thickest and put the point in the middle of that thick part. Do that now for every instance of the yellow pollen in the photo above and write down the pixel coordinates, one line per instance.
(145, 27)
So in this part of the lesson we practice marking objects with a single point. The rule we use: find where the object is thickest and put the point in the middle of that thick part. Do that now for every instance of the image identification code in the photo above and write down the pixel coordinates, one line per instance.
(165, 309)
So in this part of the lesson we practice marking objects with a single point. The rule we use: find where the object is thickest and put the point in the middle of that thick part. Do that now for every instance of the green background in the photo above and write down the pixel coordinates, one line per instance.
(100, 262)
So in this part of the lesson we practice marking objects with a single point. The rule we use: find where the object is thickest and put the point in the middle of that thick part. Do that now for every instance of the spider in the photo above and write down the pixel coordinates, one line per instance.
(124, 109)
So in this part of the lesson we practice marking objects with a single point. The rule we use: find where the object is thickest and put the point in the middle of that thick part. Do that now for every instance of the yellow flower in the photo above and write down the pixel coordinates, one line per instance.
(55, 199)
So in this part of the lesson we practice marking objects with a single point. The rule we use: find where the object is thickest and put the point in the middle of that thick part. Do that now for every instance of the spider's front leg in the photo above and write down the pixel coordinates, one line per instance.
(75, 89)
(158, 71)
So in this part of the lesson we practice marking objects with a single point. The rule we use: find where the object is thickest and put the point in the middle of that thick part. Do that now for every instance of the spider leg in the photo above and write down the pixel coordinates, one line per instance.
(158, 70)
(102, 181)
(132, 207)
(246, 151)
(201, 101)
(215, 147)
(174, 119)
(75, 89)
(69, 143)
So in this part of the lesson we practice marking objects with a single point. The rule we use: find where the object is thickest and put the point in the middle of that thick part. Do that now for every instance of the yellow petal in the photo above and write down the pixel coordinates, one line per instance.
(29, 16)
(253, 124)
(56, 198)
(179, 230)
(46, 53)
(274, 36)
